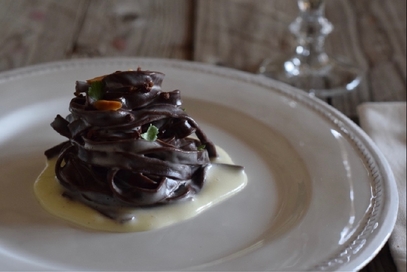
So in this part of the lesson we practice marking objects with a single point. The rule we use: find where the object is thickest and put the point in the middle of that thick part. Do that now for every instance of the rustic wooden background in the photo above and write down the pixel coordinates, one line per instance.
(231, 33)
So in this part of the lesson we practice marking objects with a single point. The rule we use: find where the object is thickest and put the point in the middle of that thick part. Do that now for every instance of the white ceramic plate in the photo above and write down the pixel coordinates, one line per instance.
(320, 195)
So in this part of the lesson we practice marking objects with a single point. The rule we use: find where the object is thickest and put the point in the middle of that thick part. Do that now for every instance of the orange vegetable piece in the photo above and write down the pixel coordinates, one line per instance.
(107, 105)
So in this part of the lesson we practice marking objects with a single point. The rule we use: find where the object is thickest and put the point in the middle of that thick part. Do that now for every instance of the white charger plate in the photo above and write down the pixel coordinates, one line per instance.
(320, 194)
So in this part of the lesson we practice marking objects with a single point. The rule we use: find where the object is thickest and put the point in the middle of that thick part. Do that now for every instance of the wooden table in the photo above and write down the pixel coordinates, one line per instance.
(231, 33)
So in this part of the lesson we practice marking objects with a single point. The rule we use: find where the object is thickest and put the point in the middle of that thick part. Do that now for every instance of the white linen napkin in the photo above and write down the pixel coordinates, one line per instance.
(385, 123)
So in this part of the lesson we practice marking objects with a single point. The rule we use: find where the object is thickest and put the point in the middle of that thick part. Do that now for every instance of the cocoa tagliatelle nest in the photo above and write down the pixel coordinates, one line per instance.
(129, 144)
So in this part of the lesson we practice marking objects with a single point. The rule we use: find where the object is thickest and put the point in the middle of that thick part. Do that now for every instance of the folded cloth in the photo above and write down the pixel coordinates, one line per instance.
(385, 123)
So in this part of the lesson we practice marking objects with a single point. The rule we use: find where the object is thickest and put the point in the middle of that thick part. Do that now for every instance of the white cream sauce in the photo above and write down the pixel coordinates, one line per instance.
(221, 183)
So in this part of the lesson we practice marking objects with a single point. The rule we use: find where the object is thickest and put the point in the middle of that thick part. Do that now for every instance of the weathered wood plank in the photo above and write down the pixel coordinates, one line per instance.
(379, 28)
(148, 28)
(240, 34)
(37, 31)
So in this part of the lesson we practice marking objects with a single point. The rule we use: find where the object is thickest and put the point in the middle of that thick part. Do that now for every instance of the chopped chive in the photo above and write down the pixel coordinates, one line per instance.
(201, 147)
(150, 134)
(95, 90)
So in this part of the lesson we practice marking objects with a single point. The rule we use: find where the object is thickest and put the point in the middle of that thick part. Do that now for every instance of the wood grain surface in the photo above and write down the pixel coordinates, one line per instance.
(232, 33)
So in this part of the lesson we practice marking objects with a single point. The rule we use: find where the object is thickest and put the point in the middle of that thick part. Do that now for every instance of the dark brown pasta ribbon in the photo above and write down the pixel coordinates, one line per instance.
(107, 163)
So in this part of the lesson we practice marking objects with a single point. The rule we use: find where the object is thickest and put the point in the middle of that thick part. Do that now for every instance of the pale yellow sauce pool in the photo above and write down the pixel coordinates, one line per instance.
(221, 183)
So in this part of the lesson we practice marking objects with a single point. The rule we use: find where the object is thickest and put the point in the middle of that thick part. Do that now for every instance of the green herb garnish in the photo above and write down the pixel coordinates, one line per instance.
(150, 134)
(201, 147)
(95, 90)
